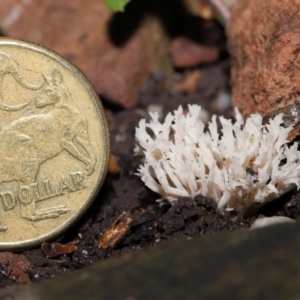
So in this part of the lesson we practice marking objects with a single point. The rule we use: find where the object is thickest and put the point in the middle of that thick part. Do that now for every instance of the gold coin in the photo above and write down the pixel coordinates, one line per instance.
(54, 144)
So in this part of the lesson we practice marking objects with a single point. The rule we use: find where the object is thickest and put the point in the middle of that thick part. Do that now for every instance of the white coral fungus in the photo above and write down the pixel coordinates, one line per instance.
(247, 164)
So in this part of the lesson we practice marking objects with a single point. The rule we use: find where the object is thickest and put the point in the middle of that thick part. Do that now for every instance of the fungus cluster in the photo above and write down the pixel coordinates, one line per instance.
(248, 163)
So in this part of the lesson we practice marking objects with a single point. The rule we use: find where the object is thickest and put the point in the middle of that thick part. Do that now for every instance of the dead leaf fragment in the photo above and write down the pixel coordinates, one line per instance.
(117, 231)
(56, 249)
(15, 266)
(186, 53)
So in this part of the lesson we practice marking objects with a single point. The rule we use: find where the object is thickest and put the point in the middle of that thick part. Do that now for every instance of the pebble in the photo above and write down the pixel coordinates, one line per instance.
(267, 221)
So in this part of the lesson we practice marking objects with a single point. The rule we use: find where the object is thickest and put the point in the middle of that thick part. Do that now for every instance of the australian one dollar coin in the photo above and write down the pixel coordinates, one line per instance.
(53, 144)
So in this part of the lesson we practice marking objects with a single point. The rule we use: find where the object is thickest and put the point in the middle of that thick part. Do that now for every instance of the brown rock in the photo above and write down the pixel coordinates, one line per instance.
(264, 41)
(81, 31)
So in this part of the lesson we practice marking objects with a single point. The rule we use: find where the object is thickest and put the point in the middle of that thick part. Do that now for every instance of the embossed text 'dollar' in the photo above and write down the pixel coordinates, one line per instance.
(42, 190)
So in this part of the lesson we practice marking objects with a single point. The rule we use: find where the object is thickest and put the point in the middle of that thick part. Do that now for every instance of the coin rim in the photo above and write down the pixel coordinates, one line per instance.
(104, 128)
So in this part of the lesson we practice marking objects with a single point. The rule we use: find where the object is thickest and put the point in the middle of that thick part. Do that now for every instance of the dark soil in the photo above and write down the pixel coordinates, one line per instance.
(151, 223)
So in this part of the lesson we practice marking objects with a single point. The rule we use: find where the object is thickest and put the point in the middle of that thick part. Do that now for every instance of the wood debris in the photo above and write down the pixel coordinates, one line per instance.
(190, 83)
(117, 231)
(113, 166)
(200, 8)
(57, 249)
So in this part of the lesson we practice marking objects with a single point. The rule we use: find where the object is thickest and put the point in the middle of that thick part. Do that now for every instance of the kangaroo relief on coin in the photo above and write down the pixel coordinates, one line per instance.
(53, 144)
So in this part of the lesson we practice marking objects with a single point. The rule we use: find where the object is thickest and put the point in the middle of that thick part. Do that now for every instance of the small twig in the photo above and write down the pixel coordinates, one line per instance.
(222, 9)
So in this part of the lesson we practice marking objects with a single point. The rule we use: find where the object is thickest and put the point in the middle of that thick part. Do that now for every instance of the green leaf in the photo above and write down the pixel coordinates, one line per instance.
(116, 5)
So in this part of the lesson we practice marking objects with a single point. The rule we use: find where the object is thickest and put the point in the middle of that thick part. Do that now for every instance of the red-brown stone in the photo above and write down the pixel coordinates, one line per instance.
(264, 42)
